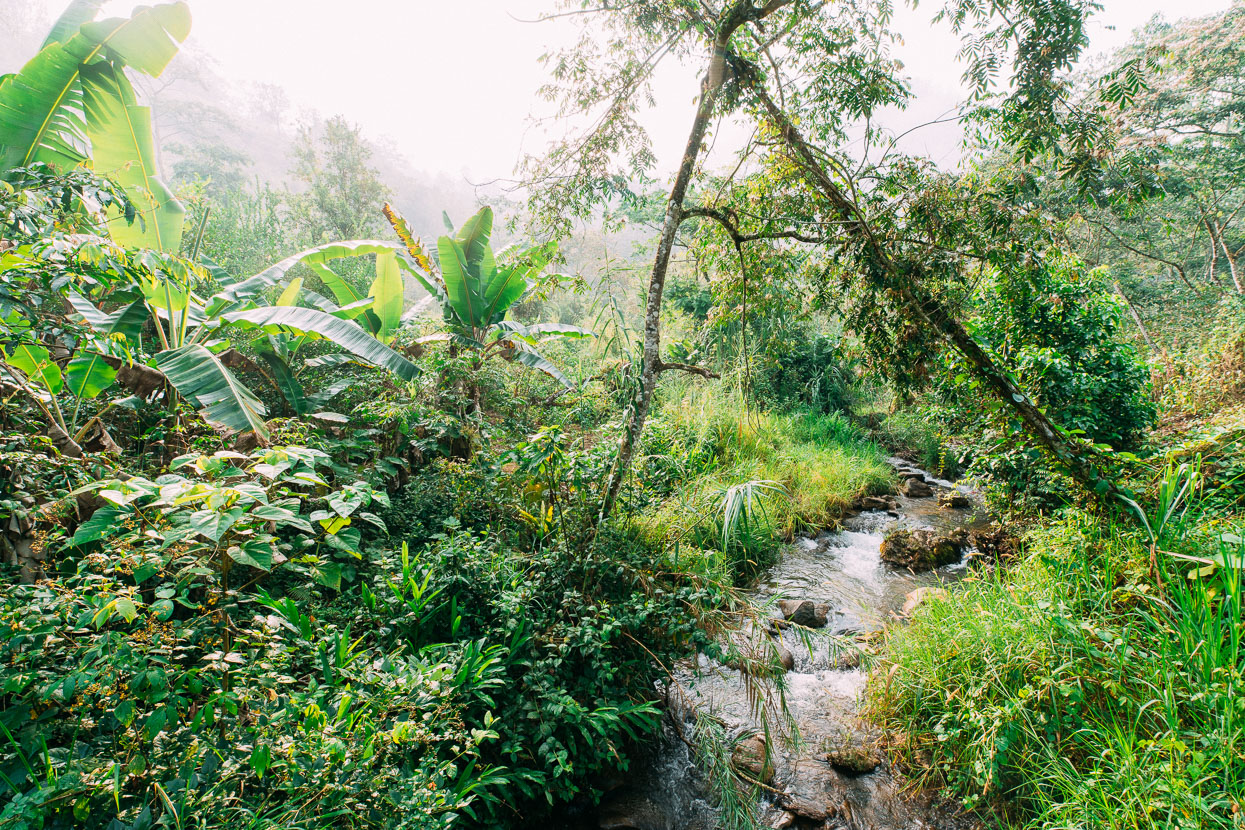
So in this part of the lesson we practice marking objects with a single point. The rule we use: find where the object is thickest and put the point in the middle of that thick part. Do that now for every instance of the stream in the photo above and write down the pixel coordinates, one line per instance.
(833, 775)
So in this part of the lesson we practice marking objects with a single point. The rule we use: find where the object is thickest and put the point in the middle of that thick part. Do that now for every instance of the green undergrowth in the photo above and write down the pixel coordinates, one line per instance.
(1076, 689)
(786, 473)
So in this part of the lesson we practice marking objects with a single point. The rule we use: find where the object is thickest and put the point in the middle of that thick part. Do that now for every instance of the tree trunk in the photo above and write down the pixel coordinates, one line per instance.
(1141, 326)
(889, 276)
(736, 16)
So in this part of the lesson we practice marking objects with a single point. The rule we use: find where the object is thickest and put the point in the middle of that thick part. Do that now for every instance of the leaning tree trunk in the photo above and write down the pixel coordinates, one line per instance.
(888, 275)
(651, 365)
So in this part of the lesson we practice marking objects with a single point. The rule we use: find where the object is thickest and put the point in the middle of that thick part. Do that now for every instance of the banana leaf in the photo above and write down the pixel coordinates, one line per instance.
(387, 294)
(343, 333)
(203, 380)
(122, 149)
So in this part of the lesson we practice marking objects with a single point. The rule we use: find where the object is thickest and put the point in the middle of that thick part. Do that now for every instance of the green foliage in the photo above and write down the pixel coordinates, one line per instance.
(1059, 329)
(1074, 690)
(73, 104)
(476, 292)
(704, 455)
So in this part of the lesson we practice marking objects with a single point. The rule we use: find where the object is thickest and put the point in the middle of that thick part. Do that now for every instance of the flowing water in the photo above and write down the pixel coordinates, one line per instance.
(832, 775)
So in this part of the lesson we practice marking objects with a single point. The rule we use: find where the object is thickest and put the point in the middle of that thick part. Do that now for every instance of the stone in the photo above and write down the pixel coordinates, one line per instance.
(879, 503)
(750, 757)
(783, 820)
(912, 475)
(854, 759)
(916, 598)
(805, 612)
(916, 489)
(954, 500)
(785, 657)
(804, 807)
(922, 550)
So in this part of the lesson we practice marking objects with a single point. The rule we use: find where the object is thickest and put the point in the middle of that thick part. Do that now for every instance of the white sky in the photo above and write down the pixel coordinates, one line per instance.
(453, 82)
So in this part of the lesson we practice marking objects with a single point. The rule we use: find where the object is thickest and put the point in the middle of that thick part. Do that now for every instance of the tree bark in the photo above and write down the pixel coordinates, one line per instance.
(737, 15)
(903, 281)
(1141, 326)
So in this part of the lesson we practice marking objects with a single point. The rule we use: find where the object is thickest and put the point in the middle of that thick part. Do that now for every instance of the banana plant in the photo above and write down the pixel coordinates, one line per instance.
(72, 105)
(162, 315)
(476, 293)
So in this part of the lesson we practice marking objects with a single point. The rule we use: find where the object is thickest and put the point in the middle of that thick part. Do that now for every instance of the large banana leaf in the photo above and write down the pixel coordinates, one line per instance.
(431, 283)
(127, 322)
(123, 150)
(312, 322)
(90, 374)
(505, 287)
(71, 20)
(203, 380)
(387, 294)
(508, 329)
(286, 383)
(474, 235)
(533, 359)
(274, 274)
(458, 283)
(41, 113)
(36, 364)
(41, 109)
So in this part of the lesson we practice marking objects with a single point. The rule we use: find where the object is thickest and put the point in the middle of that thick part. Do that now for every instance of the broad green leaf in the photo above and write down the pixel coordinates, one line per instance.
(89, 375)
(127, 322)
(314, 257)
(286, 383)
(387, 295)
(41, 107)
(252, 554)
(503, 291)
(102, 524)
(535, 360)
(343, 333)
(36, 364)
(122, 149)
(290, 295)
(457, 280)
(202, 379)
(473, 236)
(213, 524)
(71, 20)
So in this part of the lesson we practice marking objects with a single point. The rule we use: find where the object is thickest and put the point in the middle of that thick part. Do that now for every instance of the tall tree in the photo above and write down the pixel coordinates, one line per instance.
(825, 66)
(344, 195)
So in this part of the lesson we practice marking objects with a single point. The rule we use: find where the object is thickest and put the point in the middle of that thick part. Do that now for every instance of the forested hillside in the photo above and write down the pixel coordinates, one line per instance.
(800, 482)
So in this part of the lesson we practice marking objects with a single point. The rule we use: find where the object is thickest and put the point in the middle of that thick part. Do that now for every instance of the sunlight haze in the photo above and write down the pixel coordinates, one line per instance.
(453, 84)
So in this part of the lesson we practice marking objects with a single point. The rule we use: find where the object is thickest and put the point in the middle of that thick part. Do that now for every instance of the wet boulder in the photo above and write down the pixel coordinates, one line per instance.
(854, 759)
(785, 657)
(879, 503)
(805, 612)
(922, 550)
(954, 500)
(917, 489)
(751, 758)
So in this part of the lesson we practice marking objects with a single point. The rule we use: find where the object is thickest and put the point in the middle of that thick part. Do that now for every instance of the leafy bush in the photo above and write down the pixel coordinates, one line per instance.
(1058, 329)
(1075, 691)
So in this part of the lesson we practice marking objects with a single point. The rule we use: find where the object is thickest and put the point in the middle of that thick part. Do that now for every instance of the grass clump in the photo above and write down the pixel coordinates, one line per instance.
(806, 468)
(1076, 690)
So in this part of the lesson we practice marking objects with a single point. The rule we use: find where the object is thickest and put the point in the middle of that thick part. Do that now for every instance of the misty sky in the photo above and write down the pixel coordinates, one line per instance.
(453, 82)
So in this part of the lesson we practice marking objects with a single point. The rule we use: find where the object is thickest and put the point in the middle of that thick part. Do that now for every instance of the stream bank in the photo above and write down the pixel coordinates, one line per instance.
(825, 766)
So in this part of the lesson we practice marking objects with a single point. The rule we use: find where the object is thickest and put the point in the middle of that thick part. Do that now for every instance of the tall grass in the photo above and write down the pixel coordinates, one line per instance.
(1078, 691)
(801, 471)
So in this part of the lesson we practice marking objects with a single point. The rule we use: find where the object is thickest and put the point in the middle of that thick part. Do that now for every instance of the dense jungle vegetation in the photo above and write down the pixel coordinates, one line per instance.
(308, 521)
